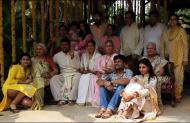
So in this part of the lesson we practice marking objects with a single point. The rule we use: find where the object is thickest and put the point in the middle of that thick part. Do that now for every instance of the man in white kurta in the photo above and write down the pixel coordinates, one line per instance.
(131, 36)
(153, 31)
(64, 86)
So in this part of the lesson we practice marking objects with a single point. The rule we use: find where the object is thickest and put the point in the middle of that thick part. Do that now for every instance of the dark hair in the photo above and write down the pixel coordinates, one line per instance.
(121, 57)
(92, 41)
(98, 13)
(133, 15)
(21, 56)
(73, 23)
(146, 62)
(112, 26)
(65, 39)
(87, 29)
(177, 17)
(156, 13)
(132, 63)
(63, 25)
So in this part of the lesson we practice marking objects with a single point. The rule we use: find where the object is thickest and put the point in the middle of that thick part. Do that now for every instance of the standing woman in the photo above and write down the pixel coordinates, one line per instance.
(174, 47)
(18, 84)
(43, 69)
(87, 69)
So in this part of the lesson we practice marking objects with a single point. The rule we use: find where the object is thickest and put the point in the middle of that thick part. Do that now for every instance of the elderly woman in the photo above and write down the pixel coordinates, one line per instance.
(43, 70)
(104, 65)
(88, 61)
(18, 85)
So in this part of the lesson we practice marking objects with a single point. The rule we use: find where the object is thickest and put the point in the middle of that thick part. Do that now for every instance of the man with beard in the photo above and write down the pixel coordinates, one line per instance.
(111, 86)
(64, 87)
(98, 28)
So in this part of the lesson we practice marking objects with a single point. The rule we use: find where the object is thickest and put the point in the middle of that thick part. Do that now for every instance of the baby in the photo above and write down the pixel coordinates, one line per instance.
(129, 95)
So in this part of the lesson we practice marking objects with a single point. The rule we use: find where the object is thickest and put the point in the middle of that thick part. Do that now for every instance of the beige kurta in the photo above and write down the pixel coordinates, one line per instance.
(174, 46)
(65, 85)
(131, 40)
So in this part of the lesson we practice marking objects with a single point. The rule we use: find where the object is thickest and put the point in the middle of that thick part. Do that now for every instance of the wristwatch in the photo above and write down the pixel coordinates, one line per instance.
(111, 83)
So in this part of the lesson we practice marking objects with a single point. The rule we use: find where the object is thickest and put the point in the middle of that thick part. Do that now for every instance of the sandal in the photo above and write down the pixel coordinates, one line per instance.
(14, 109)
(99, 114)
(71, 103)
(61, 103)
(107, 114)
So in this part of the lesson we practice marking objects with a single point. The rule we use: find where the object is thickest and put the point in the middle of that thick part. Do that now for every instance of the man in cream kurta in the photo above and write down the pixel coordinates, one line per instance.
(64, 86)
(153, 31)
(131, 36)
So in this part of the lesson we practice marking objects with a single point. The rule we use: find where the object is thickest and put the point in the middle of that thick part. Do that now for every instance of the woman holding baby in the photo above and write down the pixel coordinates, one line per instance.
(139, 96)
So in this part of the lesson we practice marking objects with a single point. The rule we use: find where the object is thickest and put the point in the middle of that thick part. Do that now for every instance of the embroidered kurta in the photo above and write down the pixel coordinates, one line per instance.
(16, 73)
(131, 38)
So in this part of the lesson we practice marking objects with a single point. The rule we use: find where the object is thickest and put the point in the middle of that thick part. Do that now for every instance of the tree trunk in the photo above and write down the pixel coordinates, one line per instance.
(13, 30)
(51, 19)
(1, 44)
(24, 26)
(57, 17)
(34, 20)
(42, 21)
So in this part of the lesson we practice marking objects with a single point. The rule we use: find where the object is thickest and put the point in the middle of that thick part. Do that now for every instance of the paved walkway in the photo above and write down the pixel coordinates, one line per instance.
(181, 113)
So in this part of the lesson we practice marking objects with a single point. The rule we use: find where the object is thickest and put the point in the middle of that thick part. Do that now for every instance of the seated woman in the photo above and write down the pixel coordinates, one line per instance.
(109, 36)
(140, 95)
(88, 61)
(104, 65)
(18, 85)
(43, 70)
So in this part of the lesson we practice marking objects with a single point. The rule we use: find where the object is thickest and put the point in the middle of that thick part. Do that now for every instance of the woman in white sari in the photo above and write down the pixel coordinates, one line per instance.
(140, 96)
(88, 61)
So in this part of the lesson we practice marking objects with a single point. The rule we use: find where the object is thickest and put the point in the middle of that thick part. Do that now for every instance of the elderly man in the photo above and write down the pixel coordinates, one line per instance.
(131, 36)
(111, 86)
(64, 86)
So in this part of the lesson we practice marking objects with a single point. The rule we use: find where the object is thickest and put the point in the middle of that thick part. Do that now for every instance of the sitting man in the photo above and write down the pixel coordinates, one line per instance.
(64, 87)
(111, 86)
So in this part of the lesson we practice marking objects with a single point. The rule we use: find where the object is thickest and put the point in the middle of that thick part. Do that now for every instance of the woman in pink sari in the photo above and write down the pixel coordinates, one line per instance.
(109, 36)
(104, 66)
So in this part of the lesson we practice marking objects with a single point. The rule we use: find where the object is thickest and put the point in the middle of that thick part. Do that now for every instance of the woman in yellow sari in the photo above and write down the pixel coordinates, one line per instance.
(18, 84)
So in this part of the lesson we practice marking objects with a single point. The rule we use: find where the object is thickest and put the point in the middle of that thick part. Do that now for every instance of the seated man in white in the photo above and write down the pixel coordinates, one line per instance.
(64, 87)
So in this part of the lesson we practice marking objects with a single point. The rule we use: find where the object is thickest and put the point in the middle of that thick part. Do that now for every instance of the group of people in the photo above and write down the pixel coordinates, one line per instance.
(118, 68)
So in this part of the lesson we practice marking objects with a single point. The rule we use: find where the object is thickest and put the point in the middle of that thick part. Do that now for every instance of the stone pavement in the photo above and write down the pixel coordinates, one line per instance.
(181, 113)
